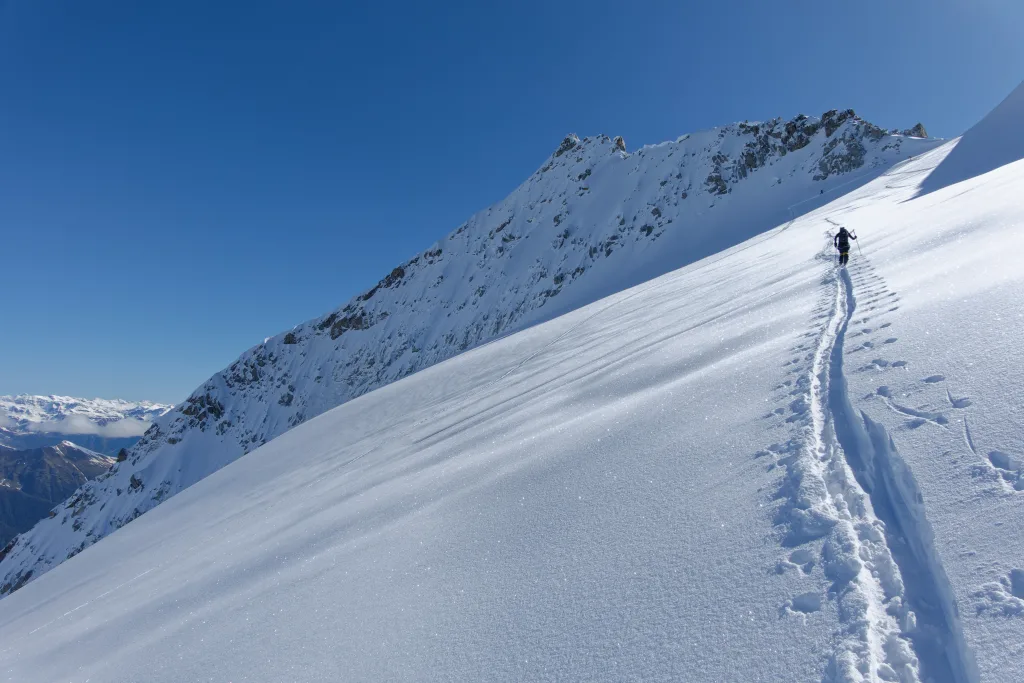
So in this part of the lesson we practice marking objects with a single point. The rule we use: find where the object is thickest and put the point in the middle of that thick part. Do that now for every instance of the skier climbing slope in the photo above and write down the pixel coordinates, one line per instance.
(842, 243)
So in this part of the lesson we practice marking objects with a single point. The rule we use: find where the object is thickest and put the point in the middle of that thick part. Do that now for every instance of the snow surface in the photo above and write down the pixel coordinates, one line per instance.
(590, 222)
(755, 468)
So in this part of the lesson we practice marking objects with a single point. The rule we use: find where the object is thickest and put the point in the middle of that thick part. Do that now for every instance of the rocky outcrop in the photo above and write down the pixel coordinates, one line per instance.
(568, 144)
(917, 131)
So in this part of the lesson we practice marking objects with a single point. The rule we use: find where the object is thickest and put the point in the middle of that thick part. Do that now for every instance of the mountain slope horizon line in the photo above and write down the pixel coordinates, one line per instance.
(592, 220)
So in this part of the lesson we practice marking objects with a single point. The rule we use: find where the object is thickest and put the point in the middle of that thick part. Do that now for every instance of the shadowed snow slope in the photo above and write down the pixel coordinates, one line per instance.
(590, 222)
(996, 140)
(649, 487)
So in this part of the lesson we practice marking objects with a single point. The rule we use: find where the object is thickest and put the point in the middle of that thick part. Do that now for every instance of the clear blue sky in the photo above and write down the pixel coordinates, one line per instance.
(180, 179)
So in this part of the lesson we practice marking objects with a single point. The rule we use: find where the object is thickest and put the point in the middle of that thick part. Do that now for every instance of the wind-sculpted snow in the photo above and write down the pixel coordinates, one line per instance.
(756, 467)
(593, 220)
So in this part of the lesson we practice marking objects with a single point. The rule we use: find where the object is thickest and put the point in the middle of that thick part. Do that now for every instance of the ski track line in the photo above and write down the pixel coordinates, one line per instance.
(11, 646)
(851, 505)
(904, 569)
(865, 579)
(89, 602)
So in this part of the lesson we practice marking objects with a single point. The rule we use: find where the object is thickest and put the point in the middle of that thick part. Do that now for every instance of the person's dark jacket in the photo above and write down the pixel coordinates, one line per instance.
(842, 240)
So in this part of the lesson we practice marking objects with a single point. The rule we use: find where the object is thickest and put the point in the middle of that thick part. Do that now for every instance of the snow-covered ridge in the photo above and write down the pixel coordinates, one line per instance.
(591, 221)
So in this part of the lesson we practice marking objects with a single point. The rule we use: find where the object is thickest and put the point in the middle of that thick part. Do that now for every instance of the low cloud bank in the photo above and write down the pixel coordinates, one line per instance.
(78, 424)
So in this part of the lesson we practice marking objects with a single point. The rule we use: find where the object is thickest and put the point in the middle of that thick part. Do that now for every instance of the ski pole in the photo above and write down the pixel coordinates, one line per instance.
(858, 244)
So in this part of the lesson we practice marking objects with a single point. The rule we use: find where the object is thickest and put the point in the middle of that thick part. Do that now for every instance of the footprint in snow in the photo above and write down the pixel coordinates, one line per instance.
(891, 340)
(803, 558)
(799, 408)
(899, 364)
(805, 603)
(934, 378)
(1009, 467)
(1002, 598)
(1004, 461)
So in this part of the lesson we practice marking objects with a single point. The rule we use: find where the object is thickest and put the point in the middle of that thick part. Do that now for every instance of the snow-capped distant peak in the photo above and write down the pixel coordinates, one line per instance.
(101, 425)
(68, 415)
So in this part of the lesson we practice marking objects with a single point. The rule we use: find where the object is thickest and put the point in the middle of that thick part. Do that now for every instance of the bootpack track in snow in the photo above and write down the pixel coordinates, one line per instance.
(851, 505)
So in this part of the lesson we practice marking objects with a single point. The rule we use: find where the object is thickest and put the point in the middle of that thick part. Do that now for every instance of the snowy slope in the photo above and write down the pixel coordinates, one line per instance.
(592, 220)
(754, 468)
(98, 424)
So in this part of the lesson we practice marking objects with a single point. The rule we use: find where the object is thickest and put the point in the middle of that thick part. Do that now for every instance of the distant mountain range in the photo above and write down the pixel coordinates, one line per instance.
(100, 425)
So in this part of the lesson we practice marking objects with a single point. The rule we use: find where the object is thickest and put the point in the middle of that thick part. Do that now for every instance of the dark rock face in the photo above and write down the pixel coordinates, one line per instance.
(568, 144)
(33, 481)
(843, 150)
(917, 131)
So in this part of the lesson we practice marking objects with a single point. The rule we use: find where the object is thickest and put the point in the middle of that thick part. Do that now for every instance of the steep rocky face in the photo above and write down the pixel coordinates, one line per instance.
(33, 481)
(917, 131)
(592, 220)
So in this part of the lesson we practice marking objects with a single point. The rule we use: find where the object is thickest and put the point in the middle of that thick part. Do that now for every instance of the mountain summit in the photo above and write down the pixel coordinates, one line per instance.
(593, 220)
